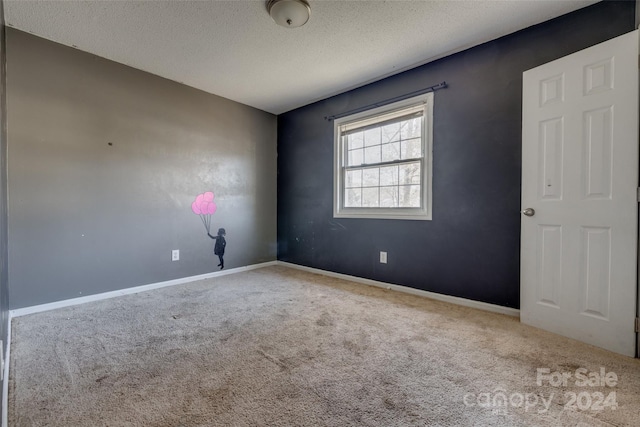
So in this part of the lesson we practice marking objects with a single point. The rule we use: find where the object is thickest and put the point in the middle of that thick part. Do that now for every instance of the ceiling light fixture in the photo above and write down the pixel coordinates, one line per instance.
(289, 13)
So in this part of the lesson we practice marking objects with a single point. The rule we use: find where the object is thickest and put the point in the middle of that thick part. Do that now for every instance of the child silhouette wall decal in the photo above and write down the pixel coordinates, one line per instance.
(205, 207)
(221, 243)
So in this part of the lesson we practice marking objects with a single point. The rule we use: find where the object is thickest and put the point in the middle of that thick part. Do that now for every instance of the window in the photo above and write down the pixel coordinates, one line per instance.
(383, 161)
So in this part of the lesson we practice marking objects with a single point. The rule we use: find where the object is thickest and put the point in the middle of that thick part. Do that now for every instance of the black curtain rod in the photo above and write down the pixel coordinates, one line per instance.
(388, 101)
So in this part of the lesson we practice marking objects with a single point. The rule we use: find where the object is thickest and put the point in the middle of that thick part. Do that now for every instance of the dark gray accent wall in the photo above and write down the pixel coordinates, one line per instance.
(471, 248)
(87, 217)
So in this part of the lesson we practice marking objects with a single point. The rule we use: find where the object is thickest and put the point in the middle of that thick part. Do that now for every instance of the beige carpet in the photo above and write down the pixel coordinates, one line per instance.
(280, 347)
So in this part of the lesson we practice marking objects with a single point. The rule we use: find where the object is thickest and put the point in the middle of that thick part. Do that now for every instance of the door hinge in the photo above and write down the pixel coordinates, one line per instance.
(638, 194)
(637, 325)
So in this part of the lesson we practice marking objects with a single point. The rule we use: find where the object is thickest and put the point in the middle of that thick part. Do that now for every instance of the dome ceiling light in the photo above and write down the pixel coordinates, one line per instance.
(289, 13)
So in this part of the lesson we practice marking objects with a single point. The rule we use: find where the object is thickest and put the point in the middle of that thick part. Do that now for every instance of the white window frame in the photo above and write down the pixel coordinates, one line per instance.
(418, 213)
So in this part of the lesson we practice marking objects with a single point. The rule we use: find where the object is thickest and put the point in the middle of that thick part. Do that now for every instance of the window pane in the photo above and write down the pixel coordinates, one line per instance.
(388, 197)
(411, 128)
(353, 198)
(391, 152)
(356, 140)
(410, 173)
(389, 175)
(356, 157)
(391, 132)
(412, 148)
(370, 177)
(409, 196)
(370, 197)
(354, 178)
(372, 137)
(372, 154)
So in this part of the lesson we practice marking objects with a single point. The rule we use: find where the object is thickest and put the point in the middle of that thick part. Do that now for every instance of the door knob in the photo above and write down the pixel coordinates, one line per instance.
(529, 212)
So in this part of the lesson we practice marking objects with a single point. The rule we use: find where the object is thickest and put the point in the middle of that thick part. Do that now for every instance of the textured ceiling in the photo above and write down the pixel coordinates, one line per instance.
(234, 49)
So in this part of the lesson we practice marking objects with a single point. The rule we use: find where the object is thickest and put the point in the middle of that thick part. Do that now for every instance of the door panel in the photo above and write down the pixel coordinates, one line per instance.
(552, 146)
(595, 274)
(580, 175)
(550, 268)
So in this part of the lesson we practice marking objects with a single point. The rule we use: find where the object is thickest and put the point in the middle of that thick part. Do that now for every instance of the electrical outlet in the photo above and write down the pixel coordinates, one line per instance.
(175, 255)
(383, 257)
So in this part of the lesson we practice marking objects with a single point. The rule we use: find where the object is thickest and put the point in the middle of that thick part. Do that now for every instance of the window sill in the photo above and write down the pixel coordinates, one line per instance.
(403, 214)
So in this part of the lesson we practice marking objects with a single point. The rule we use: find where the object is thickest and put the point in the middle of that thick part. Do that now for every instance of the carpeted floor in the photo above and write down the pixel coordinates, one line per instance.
(281, 347)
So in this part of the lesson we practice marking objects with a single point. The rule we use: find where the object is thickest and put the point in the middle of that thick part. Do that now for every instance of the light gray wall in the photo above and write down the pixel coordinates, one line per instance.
(4, 277)
(86, 217)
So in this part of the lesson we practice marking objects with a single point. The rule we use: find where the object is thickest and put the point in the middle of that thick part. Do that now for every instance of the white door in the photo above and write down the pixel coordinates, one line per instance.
(580, 175)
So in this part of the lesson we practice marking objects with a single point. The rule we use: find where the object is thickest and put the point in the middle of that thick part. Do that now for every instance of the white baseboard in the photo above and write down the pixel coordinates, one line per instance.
(105, 295)
(5, 382)
(433, 295)
(112, 294)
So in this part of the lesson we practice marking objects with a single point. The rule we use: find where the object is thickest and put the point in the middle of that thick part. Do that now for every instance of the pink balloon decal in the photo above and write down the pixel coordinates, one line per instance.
(204, 206)
(212, 208)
